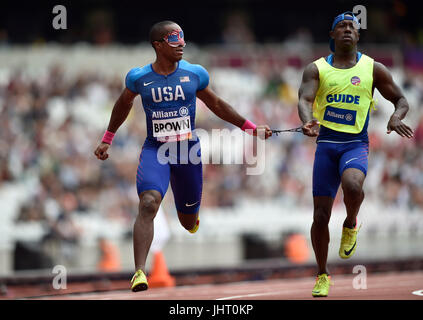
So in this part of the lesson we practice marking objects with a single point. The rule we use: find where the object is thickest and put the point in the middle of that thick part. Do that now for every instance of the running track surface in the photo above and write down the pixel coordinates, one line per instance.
(380, 286)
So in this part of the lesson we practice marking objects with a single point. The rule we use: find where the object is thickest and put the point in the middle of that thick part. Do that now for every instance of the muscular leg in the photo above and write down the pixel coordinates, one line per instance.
(188, 220)
(186, 181)
(320, 230)
(352, 185)
(326, 180)
(144, 227)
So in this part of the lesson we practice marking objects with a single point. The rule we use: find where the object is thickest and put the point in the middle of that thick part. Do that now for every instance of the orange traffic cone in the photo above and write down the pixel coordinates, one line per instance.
(296, 248)
(110, 260)
(160, 276)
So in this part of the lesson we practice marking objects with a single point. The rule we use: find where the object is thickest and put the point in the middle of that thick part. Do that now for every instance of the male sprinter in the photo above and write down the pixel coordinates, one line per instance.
(168, 89)
(341, 88)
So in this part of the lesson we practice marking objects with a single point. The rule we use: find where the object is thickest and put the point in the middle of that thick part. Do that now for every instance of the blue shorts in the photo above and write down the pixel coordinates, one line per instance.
(331, 160)
(161, 163)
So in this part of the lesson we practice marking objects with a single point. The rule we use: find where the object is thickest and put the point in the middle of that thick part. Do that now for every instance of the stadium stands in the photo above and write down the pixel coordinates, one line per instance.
(55, 103)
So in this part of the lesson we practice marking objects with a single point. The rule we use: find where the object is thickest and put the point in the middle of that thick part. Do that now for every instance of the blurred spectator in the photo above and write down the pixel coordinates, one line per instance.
(64, 231)
(3, 38)
(237, 29)
(100, 26)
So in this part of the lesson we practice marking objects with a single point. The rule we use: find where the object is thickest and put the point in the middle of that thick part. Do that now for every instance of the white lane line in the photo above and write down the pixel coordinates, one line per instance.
(418, 293)
(285, 292)
(289, 292)
(256, 295)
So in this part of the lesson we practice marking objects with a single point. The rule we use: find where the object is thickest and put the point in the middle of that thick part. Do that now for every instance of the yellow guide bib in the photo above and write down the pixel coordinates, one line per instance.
(344, 96)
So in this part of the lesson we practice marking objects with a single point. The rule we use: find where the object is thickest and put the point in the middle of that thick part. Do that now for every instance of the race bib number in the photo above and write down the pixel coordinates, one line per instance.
(176, 129)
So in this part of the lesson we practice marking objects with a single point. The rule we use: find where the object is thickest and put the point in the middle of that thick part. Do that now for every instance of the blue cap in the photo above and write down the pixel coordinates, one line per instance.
(348, 15)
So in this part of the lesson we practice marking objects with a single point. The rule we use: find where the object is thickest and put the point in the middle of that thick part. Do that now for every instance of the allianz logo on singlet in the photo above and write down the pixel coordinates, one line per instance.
(167, 94)
(183, 111)
(346, 98)
(347, 117)
(164, 114)
(342, 116)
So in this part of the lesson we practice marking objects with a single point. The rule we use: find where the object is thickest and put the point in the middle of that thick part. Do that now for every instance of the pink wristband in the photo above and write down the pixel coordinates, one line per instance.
(108, 137)
(248, 125)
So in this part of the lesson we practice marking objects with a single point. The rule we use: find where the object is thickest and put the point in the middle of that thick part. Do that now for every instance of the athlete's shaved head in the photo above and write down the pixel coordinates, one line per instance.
(159, 30)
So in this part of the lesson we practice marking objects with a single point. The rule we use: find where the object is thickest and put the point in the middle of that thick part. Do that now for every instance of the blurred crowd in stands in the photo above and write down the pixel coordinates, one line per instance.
(51, 121)
(51, 125)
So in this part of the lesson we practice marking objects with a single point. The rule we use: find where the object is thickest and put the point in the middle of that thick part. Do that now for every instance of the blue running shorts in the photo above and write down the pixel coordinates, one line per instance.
(332, 159)
(161, 163)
